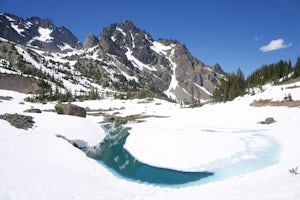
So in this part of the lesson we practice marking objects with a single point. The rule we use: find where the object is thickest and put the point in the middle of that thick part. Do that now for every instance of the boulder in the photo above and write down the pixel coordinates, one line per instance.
(33, 110)
(269, 120)
(70, 109)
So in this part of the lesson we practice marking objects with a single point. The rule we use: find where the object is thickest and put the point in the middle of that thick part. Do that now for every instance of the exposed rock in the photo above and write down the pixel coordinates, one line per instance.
(90, 41)
(18, 83)
(217, 68)
(18, 121)
(70, 141)
(194, 78)
(70, 109)
(7, 98)
(33, 110)
(269, 120)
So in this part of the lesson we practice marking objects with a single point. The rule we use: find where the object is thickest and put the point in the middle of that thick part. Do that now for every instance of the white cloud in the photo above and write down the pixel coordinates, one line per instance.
(275, 45)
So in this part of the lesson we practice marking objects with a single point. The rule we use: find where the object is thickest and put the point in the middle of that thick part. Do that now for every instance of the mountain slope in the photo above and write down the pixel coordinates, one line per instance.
(167, 64)
(123, 59)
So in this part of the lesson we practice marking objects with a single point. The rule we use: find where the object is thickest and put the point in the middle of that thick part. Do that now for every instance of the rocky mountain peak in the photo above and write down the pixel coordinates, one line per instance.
(128, 23)
(217, 68)
(126, 35)
(90, 41)
(38, 33)
(44, 23)
(130, 40)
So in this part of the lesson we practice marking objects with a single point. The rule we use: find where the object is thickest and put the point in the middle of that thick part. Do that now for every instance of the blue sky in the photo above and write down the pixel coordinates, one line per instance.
(233, 33)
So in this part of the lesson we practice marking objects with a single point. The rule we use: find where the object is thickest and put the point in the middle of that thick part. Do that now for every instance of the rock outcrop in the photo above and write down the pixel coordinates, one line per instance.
(18, 121)
(18, 83)
(90, 41)
(268, 120)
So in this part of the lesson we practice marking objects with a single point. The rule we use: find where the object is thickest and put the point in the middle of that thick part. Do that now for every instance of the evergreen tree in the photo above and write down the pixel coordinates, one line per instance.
(232, 86)
(271, 72)
(297, 68)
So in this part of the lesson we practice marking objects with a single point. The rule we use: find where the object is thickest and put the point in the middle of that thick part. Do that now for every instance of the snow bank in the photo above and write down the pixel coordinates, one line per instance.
(86, 132)
(186, 148)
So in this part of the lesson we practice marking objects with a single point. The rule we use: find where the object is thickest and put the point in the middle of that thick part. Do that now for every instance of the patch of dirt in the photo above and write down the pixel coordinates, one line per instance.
(293, 87)
(268, 102)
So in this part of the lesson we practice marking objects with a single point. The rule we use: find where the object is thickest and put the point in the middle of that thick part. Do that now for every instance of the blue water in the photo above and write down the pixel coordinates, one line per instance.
(111, 153)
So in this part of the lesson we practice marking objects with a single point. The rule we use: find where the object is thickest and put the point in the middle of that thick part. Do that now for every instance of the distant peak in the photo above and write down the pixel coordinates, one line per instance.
(34, 31)
(127, 25)
(128, 22)
(34, 19)
(90, 41)
(123, 27)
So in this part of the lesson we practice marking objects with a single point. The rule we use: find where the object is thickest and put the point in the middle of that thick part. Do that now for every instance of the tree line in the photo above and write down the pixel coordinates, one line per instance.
(235, 84)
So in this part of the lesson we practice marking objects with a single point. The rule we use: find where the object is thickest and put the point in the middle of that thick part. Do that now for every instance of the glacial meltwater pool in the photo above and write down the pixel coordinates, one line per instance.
(112, 154)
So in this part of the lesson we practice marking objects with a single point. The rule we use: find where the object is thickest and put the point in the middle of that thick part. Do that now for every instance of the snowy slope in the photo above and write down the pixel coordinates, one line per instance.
(37, 165)
(57, 66)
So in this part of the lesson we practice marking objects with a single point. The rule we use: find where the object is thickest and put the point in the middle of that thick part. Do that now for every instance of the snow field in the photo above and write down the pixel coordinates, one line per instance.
(37, 165)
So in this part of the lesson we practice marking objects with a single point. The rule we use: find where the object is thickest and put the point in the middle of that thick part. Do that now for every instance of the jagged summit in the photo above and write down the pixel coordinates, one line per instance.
(44, 23)
(38, 33)
(167, 64)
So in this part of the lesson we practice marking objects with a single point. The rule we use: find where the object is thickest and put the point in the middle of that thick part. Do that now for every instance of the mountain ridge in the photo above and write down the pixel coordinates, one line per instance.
(37, 32)
(123, 58)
